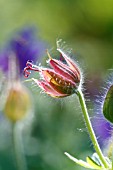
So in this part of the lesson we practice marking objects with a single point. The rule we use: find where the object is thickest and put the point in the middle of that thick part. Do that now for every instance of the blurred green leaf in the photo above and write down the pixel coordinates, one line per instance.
(91, 162)
(108, 105)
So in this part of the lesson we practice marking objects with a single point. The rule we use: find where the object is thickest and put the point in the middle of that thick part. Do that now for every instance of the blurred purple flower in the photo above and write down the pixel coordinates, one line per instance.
(25, 46)
(102, 127)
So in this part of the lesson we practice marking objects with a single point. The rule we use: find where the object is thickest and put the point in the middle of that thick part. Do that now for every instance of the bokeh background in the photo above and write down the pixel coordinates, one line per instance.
(58, 125)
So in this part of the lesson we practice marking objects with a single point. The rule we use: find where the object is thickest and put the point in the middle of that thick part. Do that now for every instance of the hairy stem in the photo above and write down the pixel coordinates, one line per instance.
(90, 129)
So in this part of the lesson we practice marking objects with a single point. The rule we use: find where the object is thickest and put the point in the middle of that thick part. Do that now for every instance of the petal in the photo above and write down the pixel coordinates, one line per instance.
(62, 69)
(48, 89)
(70, 62)
(62, 90)
(59, 80)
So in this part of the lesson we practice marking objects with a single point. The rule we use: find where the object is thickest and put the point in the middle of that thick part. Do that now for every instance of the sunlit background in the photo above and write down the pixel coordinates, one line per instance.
(55, 125)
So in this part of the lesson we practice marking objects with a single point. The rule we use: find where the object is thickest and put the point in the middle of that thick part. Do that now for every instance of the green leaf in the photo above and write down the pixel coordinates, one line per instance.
(96, 159)
(108, 105)
(91, 162)
(79, 162)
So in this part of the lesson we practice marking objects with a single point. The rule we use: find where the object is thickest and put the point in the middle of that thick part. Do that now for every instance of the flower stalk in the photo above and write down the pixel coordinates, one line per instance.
(18, 146)
(62, 80)
(90, 129)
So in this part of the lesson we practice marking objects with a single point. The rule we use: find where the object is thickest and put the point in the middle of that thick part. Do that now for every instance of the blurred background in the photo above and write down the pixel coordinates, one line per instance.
(28, 28)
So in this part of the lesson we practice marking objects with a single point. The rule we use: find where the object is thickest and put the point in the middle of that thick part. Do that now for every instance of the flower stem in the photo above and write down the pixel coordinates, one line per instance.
(90, 129)
(18, 147)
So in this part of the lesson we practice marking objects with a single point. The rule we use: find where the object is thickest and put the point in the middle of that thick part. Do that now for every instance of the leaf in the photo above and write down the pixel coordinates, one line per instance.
(108, 105)
(79, 162)
(91, 162)
(96, 159)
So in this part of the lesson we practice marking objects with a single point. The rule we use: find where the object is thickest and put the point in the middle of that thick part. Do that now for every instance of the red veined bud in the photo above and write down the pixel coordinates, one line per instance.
(60, 81)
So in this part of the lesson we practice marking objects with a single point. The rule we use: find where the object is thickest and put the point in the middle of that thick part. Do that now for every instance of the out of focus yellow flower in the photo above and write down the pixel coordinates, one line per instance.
(17, 103)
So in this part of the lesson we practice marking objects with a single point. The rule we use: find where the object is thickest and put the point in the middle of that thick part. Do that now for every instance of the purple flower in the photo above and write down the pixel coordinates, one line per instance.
(103, 128)
(25, 46)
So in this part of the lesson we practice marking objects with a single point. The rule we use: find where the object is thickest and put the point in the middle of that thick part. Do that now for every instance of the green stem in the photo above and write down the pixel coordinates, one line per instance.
(18, 147)
(90, 129)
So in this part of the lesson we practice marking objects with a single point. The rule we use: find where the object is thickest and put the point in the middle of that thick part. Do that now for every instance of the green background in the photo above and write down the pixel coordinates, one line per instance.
(58, 125)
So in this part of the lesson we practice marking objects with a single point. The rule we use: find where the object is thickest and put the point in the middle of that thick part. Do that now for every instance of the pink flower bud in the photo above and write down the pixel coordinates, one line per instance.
(61, 80)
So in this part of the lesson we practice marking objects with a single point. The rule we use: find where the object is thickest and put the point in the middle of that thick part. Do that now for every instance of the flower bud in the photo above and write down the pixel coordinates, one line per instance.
(61, 80)
(17, 103)
(108, 105)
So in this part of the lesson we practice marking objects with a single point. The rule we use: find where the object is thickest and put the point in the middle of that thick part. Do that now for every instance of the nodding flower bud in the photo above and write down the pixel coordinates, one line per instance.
(17, 103)
(60, 80)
